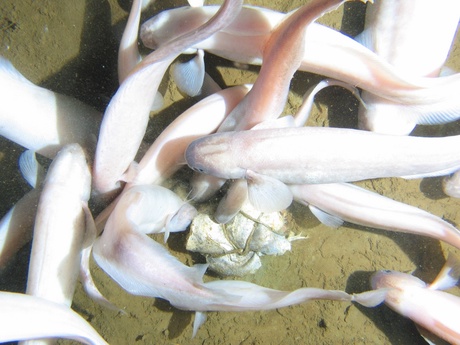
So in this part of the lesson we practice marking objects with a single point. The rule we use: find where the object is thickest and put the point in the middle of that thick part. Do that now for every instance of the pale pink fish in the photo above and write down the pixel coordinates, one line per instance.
(335, 203)
(205, 186)
(16, 226)
(26, 317)
(432, 310)
(42, 120)
(268, 96)
(237, 193)
(271, 158)
(151, 271)
(166, 154)
(419, 42)
(267, 99)
(59, 230)
(128, 51)
(60, 227)
(128, 111)
(328, 52)
(412, 47)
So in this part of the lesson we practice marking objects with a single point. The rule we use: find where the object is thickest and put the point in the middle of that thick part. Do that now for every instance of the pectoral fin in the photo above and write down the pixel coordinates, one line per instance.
(200, 319)
(189, 76)
(326, 218)
(267, 194)
(449, 274)
(85, 274)
(30, 169)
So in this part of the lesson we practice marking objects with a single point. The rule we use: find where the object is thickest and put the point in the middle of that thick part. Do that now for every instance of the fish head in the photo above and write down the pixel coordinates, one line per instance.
(169, 24)
(393, 279)
(213, 155)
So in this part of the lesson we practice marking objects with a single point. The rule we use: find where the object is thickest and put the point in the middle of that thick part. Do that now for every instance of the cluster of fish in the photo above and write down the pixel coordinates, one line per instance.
(269, 161)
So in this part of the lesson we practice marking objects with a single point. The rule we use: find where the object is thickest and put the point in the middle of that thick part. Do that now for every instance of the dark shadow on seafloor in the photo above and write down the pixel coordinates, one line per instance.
(92, 75)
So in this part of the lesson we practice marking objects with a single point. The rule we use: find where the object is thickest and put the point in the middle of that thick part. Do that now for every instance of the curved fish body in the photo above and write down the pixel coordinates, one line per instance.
(151, 271)
(267, 99)
(347, 202)
(408, 43)
(166, 154)
(128, 112)
(41, 120)
(433, 310)
(16, 226)
(26, 317)
(153, 209)
(412, 47)
(321, 155)
(128, 52)
(328, 52)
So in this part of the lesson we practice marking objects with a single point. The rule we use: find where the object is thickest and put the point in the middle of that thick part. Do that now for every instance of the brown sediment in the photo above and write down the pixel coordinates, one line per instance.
(71, 47)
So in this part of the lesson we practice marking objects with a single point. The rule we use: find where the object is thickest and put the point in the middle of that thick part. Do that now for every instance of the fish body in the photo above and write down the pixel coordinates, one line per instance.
(152, 209)
(60, 227)
(329, 52)
(128, 112)
(347, 202)
(321, 155)
(413, 48)
(26, 317)
(266, 100)
(42, 120)
(144, 267)
(434, 310)
(408, 43)
(165, 155)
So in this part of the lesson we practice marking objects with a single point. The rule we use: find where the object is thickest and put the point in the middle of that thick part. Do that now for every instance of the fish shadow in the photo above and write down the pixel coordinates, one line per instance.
(179, 320)
(92, 75)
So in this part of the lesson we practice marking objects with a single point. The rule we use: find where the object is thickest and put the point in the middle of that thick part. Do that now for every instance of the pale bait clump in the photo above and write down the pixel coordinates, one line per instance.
(235, 248)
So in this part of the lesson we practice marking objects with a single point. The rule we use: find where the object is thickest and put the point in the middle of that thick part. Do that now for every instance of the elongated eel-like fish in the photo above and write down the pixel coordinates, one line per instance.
(327, 52)
(128, 51)
(150, 270)
(337, 202)
(433, 310)
(26, 317)
(267, 99)
(204, 186)
(41, 120)
(303, 155)
(408, 43)
(128, 111)
(230, 205)
(60, 227)
(166, 154)
(414, 48)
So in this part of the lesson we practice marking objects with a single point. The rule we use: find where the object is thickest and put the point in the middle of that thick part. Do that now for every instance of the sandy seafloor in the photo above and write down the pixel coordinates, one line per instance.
(71, 46)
